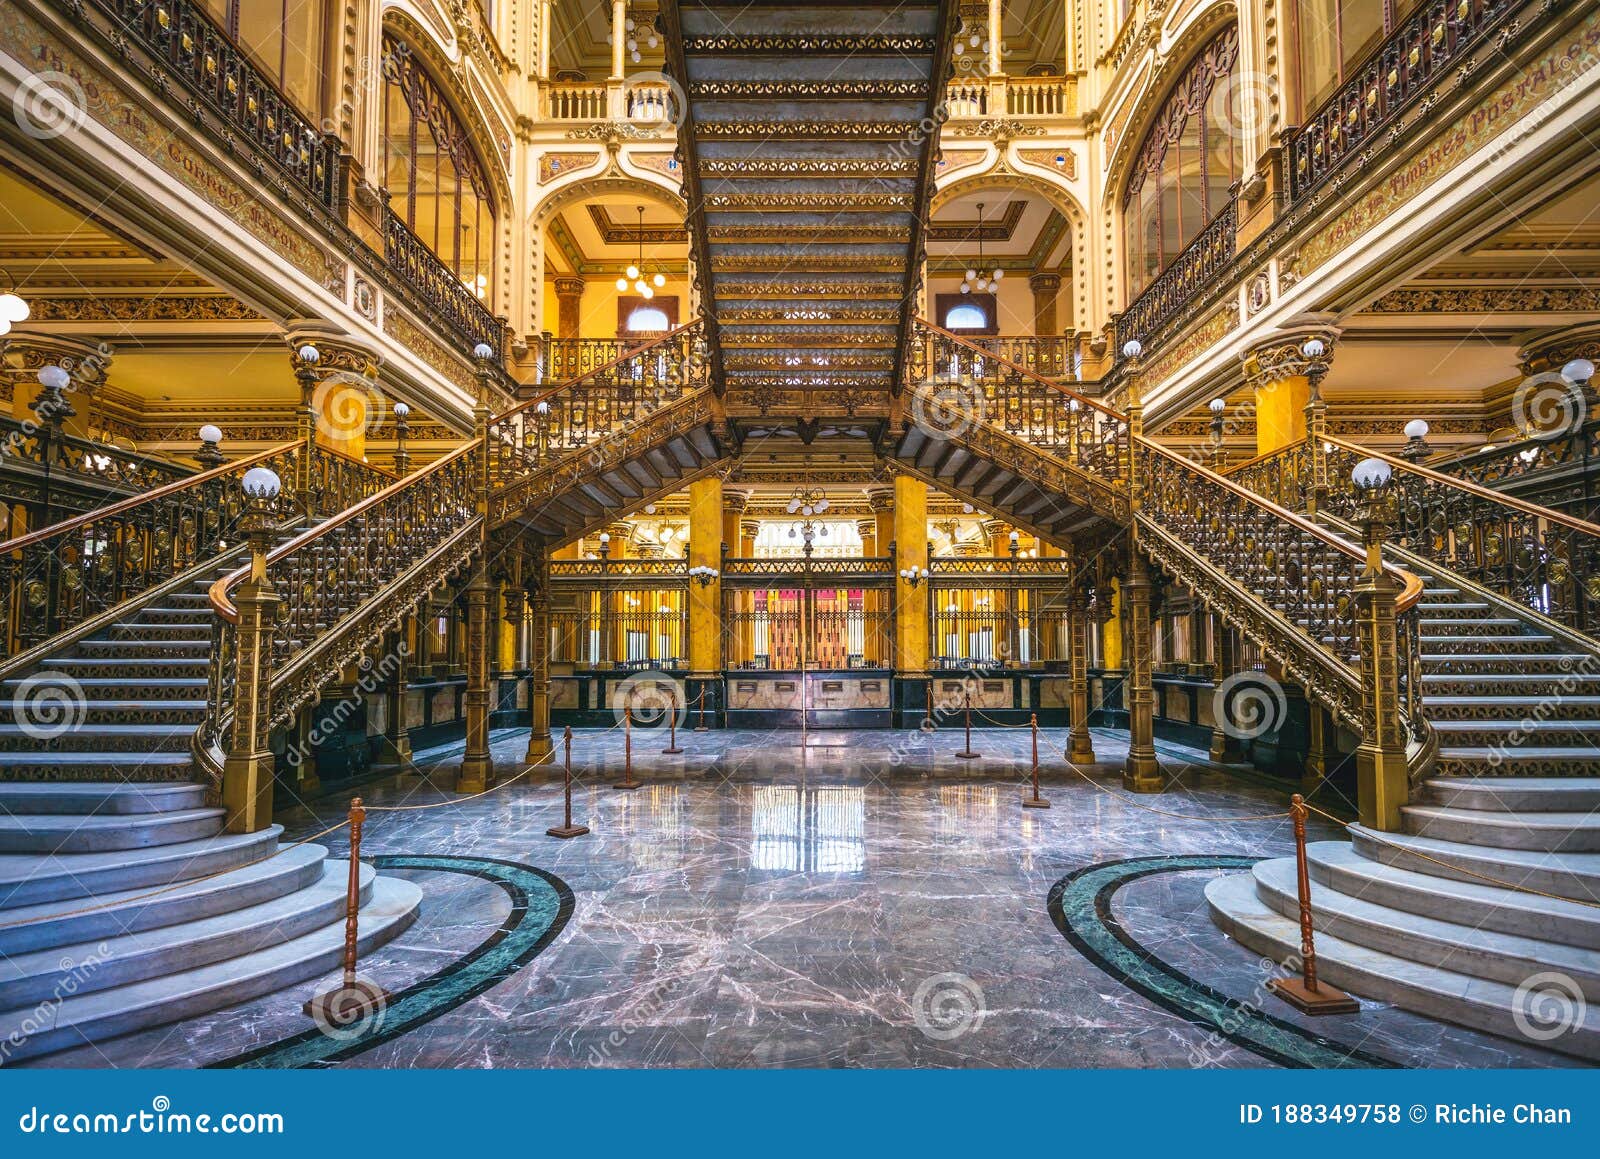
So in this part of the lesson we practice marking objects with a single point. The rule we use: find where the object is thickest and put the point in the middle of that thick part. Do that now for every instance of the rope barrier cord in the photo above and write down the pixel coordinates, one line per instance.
(1162, 812)
(282, 849)
(1417, 853)
(995, 723)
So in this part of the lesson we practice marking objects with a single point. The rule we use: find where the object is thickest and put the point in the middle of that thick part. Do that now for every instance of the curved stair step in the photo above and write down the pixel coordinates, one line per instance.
(1548, 832)
(1571, 875)
(88, 766)
(97, 1016)
(1445, 945)
(103, 964)
(88, 834)
(137, 739)
(98, 798)
(1473, 1002)
(1336, 865)
(1517, 760)
(1515, 794)
(109, 915)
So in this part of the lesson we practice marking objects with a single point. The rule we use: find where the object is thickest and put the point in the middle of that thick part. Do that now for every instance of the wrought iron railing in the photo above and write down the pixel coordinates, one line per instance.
(201, 56)
(996, 637)
(620, 638)
(787, 640)
(1542, 559)
(620, 572)
(1431, 44)
(1557, 470)
(34, 456)
(439, 286)
(565, 359)
(966, 567)
(1200, 264)
(62, 578)
(961, 384)
(820, 568)
(1284, 476)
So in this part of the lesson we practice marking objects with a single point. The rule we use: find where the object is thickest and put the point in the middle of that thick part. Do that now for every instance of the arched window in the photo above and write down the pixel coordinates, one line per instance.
(436, 185)
(1336, 36)
(648, 320)
(1185, 164)
(966, 317)
(284, 39)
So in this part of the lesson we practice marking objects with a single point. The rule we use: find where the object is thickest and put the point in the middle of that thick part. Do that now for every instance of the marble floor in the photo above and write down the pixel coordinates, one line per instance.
(762, 905)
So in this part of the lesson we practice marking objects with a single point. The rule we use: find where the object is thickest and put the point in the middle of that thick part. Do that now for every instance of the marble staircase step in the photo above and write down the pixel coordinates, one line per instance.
(90, 766)
(30, 879)
(139, 647)
(1554, 733)
(1515, 794)
(189, 992)
(100, 799)
(180, 632)
(131, 689)
(1490, 644)
(104, 963)
(1478, 1003)
(1337, 866)
(1489, 664)
(1443, 944)
(1569, 875)
(1550, 832)
(89, 668)
(1517, 760)
(134, 739)
(1512, 708)
(68, 833)
(24, 929)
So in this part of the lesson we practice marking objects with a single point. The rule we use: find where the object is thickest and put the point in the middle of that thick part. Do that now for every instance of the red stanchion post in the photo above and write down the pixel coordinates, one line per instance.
(567, 829)
(1307, 994)
(354, 999)
(927, 716)
(967, 754)
(1035, 801)
(701, 727)
(627, 782)
(672, 748)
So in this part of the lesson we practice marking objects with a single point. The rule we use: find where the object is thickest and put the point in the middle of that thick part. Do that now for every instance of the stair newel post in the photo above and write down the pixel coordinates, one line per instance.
(1382, 780)
(1306, 993)
(247, 770)
(352, 897)
(1140, 772)
(477, 764)
(305, 361)
(1035, 801)
(1315, 352)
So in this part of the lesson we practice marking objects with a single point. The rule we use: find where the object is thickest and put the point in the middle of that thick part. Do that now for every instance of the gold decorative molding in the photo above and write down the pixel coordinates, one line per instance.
(554, 165)
(1067, 165)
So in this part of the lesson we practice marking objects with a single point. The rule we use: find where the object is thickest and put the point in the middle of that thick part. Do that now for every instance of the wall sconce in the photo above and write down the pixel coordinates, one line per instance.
(914, 575)
(704, 575)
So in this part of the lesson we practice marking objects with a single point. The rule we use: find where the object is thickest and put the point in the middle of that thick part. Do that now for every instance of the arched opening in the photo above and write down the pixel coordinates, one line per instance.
(615, 264)
(644, 320)
(1187, 163)
(967, 316)
(437, 186)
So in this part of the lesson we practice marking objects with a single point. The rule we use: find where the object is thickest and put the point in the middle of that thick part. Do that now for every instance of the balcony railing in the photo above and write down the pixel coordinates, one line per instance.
(209, 64)
(439, 286)
(1015, 96)
(566, 101)
(646, 101)
(1202, 261)
(1426, 47)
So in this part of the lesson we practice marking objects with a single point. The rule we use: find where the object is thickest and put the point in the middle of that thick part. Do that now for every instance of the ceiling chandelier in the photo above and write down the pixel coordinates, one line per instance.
(644, 284)
(990, 278)
(808, 501)
(12, 308)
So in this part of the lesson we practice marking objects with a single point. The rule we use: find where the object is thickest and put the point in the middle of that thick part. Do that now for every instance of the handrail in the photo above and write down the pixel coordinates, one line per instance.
(642, 348)
(103, 513)
(1471, 488)
(218, 593)
(1411, 585)
(1023, 370)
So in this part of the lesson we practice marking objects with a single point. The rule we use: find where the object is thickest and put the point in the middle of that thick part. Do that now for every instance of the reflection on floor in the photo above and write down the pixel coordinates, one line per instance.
(757, 904)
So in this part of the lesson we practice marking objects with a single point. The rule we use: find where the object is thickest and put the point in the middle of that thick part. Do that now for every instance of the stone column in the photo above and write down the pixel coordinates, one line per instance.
(1045, 289)
(1140, 773)
(867, 529)
(911, 603)
(398, 725)
(1223, 746)
(538, 592)
(547, 32)
(996, 35)
(1278, 374)
(705, 600)
(619, 39)
(477, 766)
(569, 313)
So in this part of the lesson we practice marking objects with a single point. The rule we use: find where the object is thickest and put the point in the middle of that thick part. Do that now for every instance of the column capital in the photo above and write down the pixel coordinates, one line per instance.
(335, 353)
(735, 502)
(1044, 283)
(1283, 356)
(1550, 352)
(880, 498)
(25, 354)
(568, 286)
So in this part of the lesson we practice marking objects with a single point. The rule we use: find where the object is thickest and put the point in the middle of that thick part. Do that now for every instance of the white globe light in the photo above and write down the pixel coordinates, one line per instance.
(972, 275)
(633, 272)
(822, 505)
(646, 292)
(639, 285)
(605, 537)
(55, 377)
(1578, 370)
(1218, 405)
(1132, 348)
(808, 511)
(651, 40)
(1417, 429)
(998, 274)
(13, 308)
(542, 407)
(635, 56)
(660, 279)
(1313, 348)
(309, 353)
(622, 284)
(966, 289)
(483, 350)
(210, 433)
(1371, 473)
(401, 410)
(794, 505)
(261, 483)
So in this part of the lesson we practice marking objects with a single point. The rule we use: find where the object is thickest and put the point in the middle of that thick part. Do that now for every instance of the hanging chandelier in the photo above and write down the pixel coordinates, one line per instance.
(644, 283)
(12, 308)
(808, 501)
(989, 280)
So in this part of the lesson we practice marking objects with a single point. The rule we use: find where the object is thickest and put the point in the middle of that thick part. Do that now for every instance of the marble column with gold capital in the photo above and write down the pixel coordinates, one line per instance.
(911, 548)
(1278, 374)
(569, 307)
(705, 599)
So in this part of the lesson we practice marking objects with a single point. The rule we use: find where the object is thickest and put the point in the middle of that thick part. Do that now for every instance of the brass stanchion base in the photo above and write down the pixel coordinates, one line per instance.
(701, 728)
(673, 751)
(628, 785)
(1035, 803)
(347, 1005)
(969, 756)
(565, 831)
(1325, 999)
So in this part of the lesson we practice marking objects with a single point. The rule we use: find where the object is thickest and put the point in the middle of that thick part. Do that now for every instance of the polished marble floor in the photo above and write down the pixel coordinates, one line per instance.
(762, 905)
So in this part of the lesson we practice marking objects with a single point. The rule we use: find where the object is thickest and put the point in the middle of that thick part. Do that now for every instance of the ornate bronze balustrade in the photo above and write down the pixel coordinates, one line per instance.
(1437, 39)
(1539, 558)
(620, 572)
(966, 567)
(1284, 476)
(1553, 471)
(819, 570)
(565, 359)
(439, 286)
(60, 578)
(206, 62)
(1201, 263)
(31, 453)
